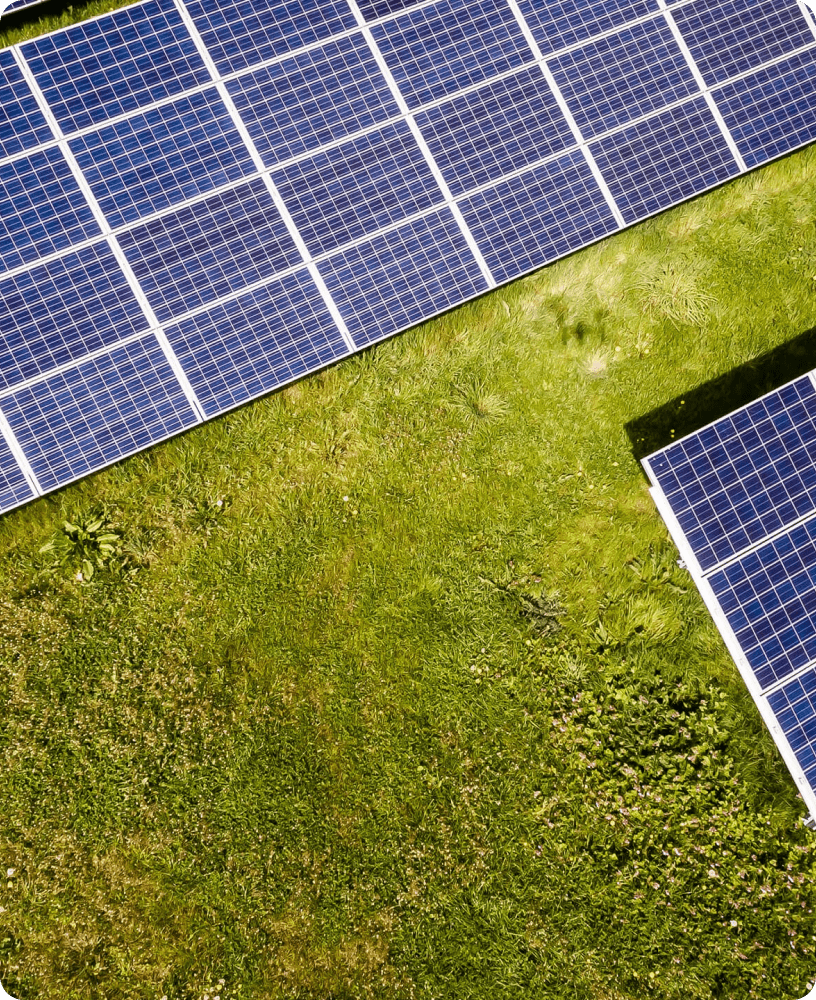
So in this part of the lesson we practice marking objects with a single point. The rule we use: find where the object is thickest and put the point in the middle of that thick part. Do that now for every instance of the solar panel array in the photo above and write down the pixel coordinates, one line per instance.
(7, 6)
(202, 201)
(739, 498)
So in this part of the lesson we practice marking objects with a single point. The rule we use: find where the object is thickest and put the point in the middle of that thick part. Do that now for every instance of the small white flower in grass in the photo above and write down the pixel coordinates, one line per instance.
(79, 576)
(345, 499)
(733, 923)
(219, 503)
(10, 871)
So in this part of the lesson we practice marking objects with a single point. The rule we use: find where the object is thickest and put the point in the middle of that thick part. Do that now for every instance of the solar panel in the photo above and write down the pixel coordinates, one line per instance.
(8, 6)
(739, 498)
(225, 197)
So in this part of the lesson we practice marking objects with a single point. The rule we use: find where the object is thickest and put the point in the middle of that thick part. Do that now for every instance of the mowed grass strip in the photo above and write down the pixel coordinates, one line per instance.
(389, 684)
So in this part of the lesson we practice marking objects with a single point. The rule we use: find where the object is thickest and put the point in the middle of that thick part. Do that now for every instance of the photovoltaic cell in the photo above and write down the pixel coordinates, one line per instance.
(769, 599)
(312, 99)
(345, 192)
(401, 277)
(373, 9)
(729, 37)
(771, 111)
(794, 705)
(162, 157)
(59, 311)
(556, 24)
(97, 412)
(22, 124)
(210, 249)
(434, 51)
(97, 69)
(14, 488)
(495, 130)
(634, 72)
(255, 342)
(239, 33)
(42, 209)
(664, 159)
(746, 476)
(538, 216)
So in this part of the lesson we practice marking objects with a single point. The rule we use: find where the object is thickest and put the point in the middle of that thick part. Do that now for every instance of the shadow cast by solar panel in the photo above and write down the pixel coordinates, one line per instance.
(708, 402)
(37, 9)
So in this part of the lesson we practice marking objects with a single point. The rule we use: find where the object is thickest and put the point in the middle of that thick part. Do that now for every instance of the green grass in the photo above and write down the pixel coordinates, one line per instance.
(309, 732)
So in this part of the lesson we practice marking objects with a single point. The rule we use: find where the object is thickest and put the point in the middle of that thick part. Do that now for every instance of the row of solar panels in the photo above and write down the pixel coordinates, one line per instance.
(739, 498)
(201, 202)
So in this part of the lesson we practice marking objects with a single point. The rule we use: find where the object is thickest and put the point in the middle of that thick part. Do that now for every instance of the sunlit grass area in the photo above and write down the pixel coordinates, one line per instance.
(389, 684)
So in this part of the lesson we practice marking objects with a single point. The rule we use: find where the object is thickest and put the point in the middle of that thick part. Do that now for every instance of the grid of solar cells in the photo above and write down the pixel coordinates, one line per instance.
(559, 23)
(772, 111)
(495, 130)
(636, 71)
(253, 343)
(402, 277)
(794, 706)
(103, 409)
(22, 123)
(162, 157)
(664, 159)
(746, 476)
(42, 209)
(314, 98)
(436, 50)
(538, 216)
(116, 64)
(61, 310)
(348, 191)
(208, 250)
(769, 599)
(239, 33)
(741, 494)
(209, 244)
(730, 37)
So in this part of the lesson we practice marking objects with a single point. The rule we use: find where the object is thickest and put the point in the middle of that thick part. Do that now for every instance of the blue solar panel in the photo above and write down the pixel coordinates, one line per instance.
(42, 209)
(772, 111)
(558, 23)
(210, 249)
(98, 69)
(255, 342)
(611, 81)
(794, 706)
(162, 157)
(729, 37)
(659, 162)
(239, 33)
(538, 216)
(347, 191)
(8, 8)
(97, 412)
(769, 599)
(746, 476)
(740, 496)
(495, 130)
(14, 488)
(403, 276)
(403, 216)
(22, 123)
(436, 50)
(59, 311)
(313, 98)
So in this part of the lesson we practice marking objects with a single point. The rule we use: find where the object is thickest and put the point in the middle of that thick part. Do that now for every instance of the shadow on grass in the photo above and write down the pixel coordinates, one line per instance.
(714, 399)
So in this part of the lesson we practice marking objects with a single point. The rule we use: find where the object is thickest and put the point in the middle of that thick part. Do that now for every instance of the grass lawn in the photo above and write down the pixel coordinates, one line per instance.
(389, 686)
